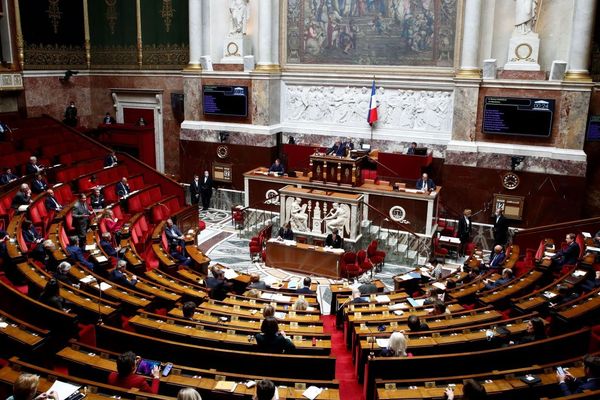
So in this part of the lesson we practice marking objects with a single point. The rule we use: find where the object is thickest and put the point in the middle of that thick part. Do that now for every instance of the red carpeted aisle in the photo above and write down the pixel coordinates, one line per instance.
(344, 369)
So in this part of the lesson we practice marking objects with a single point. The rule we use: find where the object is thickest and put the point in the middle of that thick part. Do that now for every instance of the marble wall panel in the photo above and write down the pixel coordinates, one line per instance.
(237, 138)
(465, 112)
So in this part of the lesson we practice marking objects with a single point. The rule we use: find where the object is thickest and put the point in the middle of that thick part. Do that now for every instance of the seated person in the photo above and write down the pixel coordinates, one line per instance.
(76, 254)
(367, 288)
(436, 269)
(111, 159)
(97, 199)
(51, 202)
(300, 305)
(112, 223)
(218, 285)
(119, 275)
(592, 283)
(265, 390)
(177, 253)
(439, 308)
(188, 393)
(268, 311)
(567, 256)
(26, 388)
(597, 239)
(425, 184)
(22, 198)
(174, 235)
(357, 297)
(62, 274)
(536, 330)
(32, 166)
(50, 262)
(396, 346)
(252, 293)
(126, 377)
(122, 188)
(141, 122)
(305, 289)
(3, 239)
(51, 297)
(277, 168)
(188, 309)
(256, 283)
(571, 385)
(107, 246)
(338, 149)
(33, 240)
(507, 276)
(286, 232)
(497, 257)
(7, 177)
(39, 184)
(415, 324)
(472, 390)
(411, 148)
(334, 239)
(271, 339)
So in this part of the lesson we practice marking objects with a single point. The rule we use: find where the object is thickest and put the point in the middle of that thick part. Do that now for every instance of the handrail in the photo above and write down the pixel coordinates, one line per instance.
(253, 205)
(387, 218)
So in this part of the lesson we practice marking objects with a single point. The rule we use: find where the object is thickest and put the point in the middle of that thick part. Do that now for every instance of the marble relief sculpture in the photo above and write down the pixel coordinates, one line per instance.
(525, 15)
(338, 218)
(298, 215)
(418, 110)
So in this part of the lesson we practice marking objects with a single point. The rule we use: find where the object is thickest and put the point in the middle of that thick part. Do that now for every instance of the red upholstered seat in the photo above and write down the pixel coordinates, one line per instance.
(350, 268)
(134, 204)
(439, 251)
(201, 225)
(255, 246)
(377, 257)
(595, 339)
(363, 261)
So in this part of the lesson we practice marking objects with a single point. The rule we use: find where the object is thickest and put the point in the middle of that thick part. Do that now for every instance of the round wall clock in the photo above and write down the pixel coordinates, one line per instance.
(222, 151)
(510, 180)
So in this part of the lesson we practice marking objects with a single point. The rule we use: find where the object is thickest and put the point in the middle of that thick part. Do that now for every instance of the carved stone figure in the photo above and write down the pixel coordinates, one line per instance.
(298, 216)
(338, 217)
(238, 9)
(525, 15)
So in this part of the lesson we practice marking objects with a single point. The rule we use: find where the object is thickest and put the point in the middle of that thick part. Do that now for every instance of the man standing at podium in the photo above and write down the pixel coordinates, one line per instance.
(425, 184)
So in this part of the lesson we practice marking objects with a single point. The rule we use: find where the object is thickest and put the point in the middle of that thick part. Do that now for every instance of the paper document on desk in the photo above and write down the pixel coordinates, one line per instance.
(586, 235)
(90, 247)
(63, 389)
(225, 386)
(101, 259)
(312, 392)
(267, 296)
(412, 190)
(104, 286)
(579, 273)
(415, 302)
(289, 242)
(281, 298)
(398, 306)
(87, 279)
(439, 285)
(382, 343)
(270, 280)
(279, 315)
(230, 274)
(594, 249)
(292, 285)
(383, 298)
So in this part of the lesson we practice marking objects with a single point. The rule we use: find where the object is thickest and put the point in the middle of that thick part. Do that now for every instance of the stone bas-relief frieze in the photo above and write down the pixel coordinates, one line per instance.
(417, 110)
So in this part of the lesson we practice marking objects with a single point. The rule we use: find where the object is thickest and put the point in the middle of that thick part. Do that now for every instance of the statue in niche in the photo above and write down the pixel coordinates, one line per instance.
(239, 17)
(298, 215)
(525, 15)
(339, 218)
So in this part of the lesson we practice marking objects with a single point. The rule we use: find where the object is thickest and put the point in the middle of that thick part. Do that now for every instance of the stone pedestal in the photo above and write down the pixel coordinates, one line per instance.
(235, 48)
(523, 52)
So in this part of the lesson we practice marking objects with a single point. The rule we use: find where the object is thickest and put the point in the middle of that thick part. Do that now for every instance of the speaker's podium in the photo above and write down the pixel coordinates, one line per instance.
(336, 170)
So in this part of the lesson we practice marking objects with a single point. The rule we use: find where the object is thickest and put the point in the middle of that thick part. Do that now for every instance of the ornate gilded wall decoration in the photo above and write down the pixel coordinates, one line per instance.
(165, 56)
(111, 14)
(167, 12)
(48, 56)
(54, 14)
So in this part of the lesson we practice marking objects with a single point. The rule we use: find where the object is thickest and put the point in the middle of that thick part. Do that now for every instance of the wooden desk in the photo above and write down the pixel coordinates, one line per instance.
(18, 335)
(337, 170)
(310, 260)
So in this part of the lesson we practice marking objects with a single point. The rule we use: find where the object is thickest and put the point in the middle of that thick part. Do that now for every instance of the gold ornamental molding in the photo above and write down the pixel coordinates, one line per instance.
(138, 24)
(19, 34)
(86, 33)
(111, 15)
(268, 68)
(167, 12)
(54, 14)
(469, 73)
(576, 76)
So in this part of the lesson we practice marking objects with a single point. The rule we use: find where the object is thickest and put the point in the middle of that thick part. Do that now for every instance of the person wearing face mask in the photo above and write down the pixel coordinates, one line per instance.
(71, 115)
(206, 190)
(195, 190)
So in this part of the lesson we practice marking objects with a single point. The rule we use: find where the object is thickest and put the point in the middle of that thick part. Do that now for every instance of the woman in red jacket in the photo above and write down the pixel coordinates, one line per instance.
(126, 377)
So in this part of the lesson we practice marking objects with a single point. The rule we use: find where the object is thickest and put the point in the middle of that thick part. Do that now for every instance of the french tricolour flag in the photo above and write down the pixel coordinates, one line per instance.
(372, 116)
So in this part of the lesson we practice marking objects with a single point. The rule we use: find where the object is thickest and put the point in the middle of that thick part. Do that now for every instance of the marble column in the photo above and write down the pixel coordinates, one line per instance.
(195, 31)
(469, 60)
(266, 40)
(581, 39)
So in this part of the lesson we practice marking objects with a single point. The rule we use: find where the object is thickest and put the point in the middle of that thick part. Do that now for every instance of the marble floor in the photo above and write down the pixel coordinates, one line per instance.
(220, 242)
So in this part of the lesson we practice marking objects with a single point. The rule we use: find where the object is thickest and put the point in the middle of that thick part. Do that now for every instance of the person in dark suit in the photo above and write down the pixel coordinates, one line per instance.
(497, 257)
(334, 239)
(33, 240)
(265, 390)
(32, 166)
(218, 285)
(71, 115)
(97, 199)
(39, 184)
(570, 385)
(338, 149)
(189, 309)
(277, 167)
(271, 339)
(174, 235)
(119, 275)
(51, 297)
(51, 203)
(62, 274)
(568, 256)
(411, 148)
(507, 276)
(76, 254)
(500, 229)
(81, 217)
(22, 198)
(464, 230)
(8, 177)
(256, 283)
(286, 232)
(122, 188)
(305, 289)
(206, 190)
(108, 119)
(195, 190)
(111, 159)
(106, 245)
(425, 184)
(415, 324)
